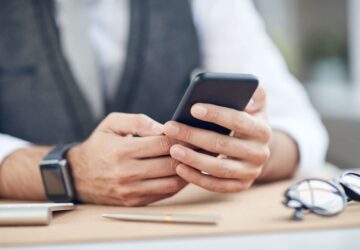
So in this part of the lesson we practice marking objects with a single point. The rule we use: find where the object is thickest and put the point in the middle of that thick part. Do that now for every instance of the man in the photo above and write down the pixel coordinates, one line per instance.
(66, 64)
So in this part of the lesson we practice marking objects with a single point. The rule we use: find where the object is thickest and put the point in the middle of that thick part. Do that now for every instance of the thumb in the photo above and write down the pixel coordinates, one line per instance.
(131, 124)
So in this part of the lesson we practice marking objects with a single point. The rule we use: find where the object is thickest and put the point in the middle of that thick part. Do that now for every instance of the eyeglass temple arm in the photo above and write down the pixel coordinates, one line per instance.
(298, 214)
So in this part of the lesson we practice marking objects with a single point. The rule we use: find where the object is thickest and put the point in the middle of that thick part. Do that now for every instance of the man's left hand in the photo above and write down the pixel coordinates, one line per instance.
(239, 157)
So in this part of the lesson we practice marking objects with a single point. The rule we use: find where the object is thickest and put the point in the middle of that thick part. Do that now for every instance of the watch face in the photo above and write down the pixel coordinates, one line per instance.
(53, 180)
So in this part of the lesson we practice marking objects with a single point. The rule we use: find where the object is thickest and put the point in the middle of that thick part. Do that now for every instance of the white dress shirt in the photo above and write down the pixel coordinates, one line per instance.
(232, 38)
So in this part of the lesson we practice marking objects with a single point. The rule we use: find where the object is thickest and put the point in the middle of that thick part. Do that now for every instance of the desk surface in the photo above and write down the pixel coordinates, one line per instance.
(258, 210)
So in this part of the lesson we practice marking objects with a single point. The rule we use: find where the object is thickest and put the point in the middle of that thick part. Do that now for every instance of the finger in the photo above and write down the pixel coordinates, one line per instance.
(240, 122)
(135, 124)
(210, 183)
(217, 143)
(147, 169)
(222, 168)
(258, 101)
(145, 200)
(167, 185)
(131, 202)
(144, 147)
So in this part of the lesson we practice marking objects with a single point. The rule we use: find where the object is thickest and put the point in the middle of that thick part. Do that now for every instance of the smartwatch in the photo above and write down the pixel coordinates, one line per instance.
(56, 175)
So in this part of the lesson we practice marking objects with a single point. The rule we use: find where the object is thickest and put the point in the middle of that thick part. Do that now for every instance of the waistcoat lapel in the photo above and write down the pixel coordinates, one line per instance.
(137, 40)
(76, 106)
(162, 53)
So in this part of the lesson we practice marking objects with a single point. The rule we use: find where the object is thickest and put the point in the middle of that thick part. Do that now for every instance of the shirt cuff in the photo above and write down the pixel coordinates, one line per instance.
(10, 144)
(312, 140)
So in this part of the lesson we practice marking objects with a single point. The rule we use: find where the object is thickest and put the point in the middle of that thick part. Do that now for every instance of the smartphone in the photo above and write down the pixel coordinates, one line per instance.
(222, 89)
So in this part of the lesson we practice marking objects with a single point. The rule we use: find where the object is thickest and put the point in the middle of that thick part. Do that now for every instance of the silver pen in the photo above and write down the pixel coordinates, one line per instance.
(165, 218)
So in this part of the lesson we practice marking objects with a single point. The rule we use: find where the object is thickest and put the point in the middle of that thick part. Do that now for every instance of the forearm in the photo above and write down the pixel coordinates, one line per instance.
(20, 174)
(284, 158)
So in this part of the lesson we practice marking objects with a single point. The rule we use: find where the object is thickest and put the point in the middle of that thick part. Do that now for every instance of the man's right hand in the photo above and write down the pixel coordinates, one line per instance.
(115, 167)
(111, 167)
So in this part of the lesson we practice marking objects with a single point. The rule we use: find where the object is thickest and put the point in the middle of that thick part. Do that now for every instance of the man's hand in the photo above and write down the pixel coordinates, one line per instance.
(114, 167)
(111, 167)
(240, 156)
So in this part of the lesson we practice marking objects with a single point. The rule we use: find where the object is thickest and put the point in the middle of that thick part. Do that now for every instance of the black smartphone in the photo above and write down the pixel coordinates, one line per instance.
(223, 89)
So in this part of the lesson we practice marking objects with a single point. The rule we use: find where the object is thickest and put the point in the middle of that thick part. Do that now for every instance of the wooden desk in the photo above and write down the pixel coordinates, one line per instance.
(258, 210)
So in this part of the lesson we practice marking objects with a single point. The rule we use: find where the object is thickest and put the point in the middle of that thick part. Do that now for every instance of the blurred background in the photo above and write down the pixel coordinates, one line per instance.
(320, 41)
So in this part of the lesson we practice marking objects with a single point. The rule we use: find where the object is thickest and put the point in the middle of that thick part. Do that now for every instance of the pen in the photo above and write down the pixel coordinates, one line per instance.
(165, 218)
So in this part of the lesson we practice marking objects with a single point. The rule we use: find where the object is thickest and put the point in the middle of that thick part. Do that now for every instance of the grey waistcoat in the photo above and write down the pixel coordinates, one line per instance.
(39, 98)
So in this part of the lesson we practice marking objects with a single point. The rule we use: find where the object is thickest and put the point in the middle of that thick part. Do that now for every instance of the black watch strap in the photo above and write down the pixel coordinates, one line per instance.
(59, 152)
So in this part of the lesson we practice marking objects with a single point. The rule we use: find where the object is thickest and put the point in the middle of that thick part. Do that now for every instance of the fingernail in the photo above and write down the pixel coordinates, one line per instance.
(199, 110)
(157, 128)
(171, 129)
(177, 152)
(251, 103)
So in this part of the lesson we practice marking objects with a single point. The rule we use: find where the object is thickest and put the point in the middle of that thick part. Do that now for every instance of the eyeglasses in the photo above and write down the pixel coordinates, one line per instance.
(325, 198)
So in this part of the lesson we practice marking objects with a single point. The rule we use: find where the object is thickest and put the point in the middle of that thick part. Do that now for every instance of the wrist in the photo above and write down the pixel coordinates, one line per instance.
(76, 160)
(20, 175)
(73, 157)
(284, 158)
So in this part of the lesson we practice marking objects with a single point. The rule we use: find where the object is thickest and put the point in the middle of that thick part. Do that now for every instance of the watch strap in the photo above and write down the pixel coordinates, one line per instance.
(59, 153)
(56, 162)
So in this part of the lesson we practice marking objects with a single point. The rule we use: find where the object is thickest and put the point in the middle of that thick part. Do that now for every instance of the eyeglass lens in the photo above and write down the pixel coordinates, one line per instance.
(320, 197)
(352, 181)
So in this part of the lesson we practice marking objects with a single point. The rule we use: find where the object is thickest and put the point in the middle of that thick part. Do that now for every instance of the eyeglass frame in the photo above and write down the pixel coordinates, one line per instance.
(335, 183)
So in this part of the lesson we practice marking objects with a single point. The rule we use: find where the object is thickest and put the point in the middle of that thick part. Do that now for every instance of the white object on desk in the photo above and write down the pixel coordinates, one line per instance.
(165, 218)
(30, 213)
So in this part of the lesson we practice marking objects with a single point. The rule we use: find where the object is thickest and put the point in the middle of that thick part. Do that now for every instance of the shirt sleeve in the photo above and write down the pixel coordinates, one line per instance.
(9, 144)
(233, 38)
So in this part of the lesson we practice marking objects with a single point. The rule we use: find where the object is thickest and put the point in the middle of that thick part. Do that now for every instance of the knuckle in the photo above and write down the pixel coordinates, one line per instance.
(165, 143)
(142, 121)
(264, 155)
(239, 122)
(175, 185)
(219, 144)
(267, 133)
(222, 170)
(123, 178)
(123, 151)
(246, 151)
(187, 134)
(111, 191)
(252, 175)
(173, 163)
(127, 177)
(126, 193)
(111, 118)
(214, 114)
